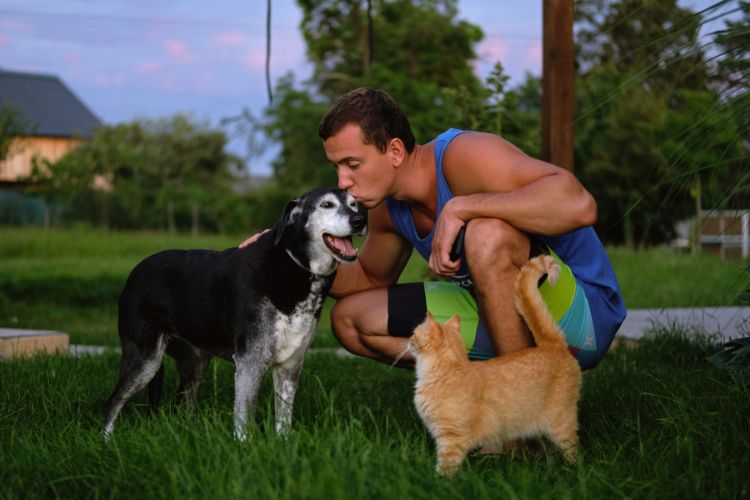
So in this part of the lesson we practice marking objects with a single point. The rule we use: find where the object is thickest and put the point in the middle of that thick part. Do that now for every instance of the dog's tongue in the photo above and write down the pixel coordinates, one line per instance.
(344, 246)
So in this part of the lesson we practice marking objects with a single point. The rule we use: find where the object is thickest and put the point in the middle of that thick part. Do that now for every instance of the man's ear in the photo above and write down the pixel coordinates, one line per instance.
(397, 151)
(287, 219)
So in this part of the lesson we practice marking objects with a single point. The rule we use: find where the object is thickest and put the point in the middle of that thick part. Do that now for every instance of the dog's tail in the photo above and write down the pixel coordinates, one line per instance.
(529, 301)
(154, 389)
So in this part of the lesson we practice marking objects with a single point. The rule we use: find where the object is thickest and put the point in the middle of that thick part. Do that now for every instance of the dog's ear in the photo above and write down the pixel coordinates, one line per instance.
(287, 219)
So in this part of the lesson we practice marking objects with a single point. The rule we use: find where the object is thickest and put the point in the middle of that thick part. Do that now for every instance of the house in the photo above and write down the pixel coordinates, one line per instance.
(724, 233)
(55, 121)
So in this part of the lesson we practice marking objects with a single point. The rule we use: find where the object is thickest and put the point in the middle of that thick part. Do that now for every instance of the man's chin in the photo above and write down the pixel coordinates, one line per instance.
(369, 204)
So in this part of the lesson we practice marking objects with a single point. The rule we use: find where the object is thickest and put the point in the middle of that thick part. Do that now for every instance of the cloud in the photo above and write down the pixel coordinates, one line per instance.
(178, 51)
(286, 54)
(72, 57)
(110, 81)
(229, 39)
(493, 49)
(534, 54)
(255, 59)
(152, 67)
(13, 25)
(4, 41)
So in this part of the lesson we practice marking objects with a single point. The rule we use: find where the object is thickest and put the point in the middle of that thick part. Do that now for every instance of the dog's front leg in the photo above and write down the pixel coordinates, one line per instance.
(285, 377)
(249, 371)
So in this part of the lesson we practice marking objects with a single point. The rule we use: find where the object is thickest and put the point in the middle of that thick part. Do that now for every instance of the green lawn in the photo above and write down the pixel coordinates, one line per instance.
(69, 280)
(657, 421)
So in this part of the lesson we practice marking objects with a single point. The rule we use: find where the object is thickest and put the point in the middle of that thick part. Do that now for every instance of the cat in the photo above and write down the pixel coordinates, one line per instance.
(524, 394)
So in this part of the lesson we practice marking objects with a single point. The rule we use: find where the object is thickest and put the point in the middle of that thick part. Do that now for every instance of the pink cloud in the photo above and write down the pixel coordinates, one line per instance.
(534, 54)
(72, 57)
(178, 51)
(493, 49)
(4, 41)
(110, 81)
(285, 56)
(13, 25)
(255, 59)
(149, 68)
(230, 39)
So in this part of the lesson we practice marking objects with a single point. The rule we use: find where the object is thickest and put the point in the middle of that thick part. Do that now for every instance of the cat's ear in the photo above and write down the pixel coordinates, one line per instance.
(430, 319)
(454, 322)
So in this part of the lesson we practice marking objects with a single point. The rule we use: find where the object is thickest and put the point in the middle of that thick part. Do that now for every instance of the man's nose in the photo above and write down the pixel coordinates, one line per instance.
(345, 182)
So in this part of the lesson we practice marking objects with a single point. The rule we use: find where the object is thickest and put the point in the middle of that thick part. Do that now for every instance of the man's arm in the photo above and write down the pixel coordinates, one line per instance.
(492, 178)
(380, 261)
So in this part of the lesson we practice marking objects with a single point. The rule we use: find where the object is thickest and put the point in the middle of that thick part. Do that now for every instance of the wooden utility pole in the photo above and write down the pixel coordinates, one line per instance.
(557, 83)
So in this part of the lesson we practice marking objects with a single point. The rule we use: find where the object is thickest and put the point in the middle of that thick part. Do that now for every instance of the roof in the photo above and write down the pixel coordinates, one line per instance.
(46, 104)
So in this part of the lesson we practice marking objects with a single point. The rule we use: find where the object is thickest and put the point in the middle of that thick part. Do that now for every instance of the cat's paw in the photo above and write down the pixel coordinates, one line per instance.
(553, 270)
(446, 470)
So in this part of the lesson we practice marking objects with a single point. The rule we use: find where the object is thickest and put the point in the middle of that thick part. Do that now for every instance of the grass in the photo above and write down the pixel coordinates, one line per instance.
(69, 280)
(657, 421)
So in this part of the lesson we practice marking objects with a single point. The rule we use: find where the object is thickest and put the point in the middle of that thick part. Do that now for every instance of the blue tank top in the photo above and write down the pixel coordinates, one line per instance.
(581, 250)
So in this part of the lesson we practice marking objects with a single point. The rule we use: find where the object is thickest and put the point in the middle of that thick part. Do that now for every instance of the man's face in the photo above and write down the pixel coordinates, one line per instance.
(363, 171)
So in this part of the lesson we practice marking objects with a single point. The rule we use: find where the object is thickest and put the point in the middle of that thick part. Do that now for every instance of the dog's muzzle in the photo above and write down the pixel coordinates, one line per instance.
(357, 222)
(341, 246)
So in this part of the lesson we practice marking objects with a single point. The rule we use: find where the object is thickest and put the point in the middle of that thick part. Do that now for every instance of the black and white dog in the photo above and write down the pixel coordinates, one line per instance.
(257, 306)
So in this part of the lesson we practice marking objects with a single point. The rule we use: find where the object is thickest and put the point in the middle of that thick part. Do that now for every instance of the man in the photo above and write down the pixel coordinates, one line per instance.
(420, 196)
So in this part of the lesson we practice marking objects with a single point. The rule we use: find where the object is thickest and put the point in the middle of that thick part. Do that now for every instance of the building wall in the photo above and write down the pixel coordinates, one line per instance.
(23, 150)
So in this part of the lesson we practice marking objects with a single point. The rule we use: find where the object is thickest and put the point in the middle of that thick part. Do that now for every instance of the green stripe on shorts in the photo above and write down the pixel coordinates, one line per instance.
(445, 300)
(559, 298)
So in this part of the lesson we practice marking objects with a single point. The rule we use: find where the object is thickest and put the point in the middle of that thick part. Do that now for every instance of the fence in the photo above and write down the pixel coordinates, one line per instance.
(725, 233)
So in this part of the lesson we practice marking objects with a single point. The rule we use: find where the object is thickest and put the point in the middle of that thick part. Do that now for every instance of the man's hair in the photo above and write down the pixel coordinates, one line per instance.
(376, 113)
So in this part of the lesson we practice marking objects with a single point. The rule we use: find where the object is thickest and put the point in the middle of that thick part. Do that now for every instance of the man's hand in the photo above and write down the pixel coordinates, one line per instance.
(252, 239)
(446, 231)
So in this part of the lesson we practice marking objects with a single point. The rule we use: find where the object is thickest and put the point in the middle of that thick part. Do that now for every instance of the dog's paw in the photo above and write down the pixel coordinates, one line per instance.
(240, 435)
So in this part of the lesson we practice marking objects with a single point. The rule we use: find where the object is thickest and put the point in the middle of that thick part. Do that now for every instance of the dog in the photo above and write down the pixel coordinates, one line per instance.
(256, 306)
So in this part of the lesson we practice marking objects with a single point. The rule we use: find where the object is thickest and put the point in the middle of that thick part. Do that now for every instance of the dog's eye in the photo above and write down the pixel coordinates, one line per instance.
(327, 204)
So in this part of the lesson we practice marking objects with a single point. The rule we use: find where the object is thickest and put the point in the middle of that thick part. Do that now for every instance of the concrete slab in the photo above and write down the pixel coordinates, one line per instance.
(724, 322)
(16, 342)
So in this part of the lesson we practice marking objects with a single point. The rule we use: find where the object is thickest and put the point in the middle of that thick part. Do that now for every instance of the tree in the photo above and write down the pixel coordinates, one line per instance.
(12, 126)
(144, 174)
(652, 140)
(621, 162)
(420, 40)
(654, 41)
(422, 57)
(732, 80)
(292, 121)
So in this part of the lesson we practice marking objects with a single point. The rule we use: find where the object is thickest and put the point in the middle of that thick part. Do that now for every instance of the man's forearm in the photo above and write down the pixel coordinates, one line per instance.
(551, 205)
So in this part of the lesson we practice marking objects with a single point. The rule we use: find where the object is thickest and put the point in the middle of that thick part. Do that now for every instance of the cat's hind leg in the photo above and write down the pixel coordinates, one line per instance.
(450, 455)
(565, 436)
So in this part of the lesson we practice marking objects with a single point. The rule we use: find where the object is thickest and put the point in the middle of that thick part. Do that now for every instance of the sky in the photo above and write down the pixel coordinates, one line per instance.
(131, 59)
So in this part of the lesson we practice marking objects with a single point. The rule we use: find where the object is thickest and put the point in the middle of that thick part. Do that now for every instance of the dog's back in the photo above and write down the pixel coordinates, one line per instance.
(183, 292)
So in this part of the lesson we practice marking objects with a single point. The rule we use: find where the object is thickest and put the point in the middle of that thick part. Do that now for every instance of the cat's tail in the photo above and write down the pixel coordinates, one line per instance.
(529, 301)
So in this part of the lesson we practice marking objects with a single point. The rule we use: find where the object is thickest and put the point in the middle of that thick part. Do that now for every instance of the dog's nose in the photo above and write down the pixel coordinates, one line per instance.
(357, 221)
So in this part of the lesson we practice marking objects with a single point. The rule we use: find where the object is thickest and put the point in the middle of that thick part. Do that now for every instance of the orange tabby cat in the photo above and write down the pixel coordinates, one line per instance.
(528, 393)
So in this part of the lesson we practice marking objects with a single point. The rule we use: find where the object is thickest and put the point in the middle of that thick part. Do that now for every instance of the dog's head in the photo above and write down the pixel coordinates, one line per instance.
(317, 229)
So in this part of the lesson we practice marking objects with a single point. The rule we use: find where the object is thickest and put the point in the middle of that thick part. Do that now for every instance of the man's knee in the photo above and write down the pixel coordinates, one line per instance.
(495, 242)
(342, 322)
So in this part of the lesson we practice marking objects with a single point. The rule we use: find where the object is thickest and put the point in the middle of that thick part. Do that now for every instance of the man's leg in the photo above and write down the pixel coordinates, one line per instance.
(360, 323)
(496, 251)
